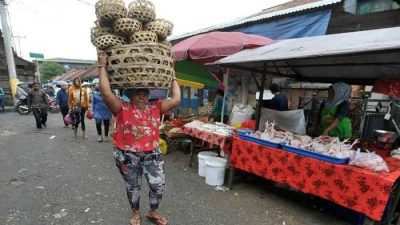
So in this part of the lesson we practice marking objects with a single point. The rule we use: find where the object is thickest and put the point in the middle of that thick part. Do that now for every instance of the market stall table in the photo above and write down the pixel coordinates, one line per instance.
(175, 138)
(355, 188)
(224, 142)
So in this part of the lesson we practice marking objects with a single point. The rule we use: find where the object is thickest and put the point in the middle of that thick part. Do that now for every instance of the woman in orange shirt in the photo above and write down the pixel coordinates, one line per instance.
(78, 104)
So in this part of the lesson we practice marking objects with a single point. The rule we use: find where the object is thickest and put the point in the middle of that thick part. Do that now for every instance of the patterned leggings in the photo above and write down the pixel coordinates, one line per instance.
(132, 165)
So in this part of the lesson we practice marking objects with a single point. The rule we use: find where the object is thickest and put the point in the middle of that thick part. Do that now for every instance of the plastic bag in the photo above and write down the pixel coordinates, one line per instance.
(68, 119)
(163, 147)
(241, 113)
(89, 115)
(293, 120)
(369, 160)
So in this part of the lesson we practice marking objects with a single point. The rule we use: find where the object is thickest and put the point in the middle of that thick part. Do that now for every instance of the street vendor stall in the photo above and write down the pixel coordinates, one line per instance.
(215, 134)
(320, 166)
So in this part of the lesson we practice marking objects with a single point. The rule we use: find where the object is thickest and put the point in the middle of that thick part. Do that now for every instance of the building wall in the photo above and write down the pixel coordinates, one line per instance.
(342, 22)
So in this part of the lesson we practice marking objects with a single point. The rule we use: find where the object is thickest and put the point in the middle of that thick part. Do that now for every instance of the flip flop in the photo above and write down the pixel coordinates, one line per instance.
(135, 221)
(157, 219)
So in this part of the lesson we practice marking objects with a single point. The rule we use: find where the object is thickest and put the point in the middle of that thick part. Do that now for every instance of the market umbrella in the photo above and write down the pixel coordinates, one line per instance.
(212, 46)
(209, 47)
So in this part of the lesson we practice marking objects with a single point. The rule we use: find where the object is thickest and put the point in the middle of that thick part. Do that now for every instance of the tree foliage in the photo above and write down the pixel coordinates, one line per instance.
(49, 70)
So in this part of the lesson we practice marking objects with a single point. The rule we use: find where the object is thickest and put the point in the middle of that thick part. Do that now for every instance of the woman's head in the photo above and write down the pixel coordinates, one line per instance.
(331, 93)
(139, 97)
(220, 92)
(337, 93)
(76, 82)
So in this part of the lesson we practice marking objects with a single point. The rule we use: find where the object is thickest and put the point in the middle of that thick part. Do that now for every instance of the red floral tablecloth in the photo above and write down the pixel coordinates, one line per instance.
(359, 189)
(224, 142)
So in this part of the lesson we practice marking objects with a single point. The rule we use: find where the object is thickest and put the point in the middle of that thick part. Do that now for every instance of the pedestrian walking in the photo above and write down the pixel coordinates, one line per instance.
(38, 103)
(2, 100)
(102, 114)
(62, 100)
(137, 142)
(78, 103)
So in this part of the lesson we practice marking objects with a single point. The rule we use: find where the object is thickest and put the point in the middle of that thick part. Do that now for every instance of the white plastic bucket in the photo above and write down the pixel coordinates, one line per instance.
(215, 170)
(202, 156)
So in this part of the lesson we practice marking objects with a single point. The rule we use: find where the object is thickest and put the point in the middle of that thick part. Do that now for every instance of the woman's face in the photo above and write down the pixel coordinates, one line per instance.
(77, 82)
(140, 99)
(331, 94)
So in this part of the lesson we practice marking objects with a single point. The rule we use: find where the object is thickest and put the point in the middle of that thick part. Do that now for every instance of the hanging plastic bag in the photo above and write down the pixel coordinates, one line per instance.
(293, 120)
(163, 147)
(89, 114)
(369, 160)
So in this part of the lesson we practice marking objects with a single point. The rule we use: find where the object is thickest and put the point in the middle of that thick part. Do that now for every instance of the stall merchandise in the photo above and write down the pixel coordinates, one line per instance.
(216, 134)
(355, 188)
(139, 56)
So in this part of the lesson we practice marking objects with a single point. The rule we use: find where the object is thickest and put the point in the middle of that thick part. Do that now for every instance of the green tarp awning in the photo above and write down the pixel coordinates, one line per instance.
(192, 71)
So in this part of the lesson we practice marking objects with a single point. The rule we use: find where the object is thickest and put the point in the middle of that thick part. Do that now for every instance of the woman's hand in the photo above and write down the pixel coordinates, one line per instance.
(101, 58)
(325, 133)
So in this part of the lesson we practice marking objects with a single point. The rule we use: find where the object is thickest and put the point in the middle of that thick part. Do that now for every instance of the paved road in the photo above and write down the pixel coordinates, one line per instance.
(49, 177)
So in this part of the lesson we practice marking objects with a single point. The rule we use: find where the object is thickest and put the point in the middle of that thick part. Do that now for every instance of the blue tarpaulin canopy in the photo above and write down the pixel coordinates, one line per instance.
(311, 24)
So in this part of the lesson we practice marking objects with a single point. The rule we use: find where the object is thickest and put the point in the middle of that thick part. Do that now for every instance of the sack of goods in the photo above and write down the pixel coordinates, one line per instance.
(139, 55)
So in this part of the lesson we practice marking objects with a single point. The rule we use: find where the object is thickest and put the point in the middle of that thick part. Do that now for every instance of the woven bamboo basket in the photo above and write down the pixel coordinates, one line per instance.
(143, 37)
(109, 40)
(127, 26)
(97, 31)
(142, 10)
(144, 65)
(166, 43)
(163, 28)
(205, 111)
(109, 10)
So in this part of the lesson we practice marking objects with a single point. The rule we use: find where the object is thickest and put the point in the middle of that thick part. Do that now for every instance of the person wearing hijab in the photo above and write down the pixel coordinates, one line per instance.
(335, 112)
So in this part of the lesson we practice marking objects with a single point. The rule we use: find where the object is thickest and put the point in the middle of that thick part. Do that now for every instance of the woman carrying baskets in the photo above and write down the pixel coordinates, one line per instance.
(136, 140)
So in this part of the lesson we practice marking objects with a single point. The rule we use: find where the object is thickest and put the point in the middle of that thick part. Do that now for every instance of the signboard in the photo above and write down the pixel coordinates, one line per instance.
(36, 55)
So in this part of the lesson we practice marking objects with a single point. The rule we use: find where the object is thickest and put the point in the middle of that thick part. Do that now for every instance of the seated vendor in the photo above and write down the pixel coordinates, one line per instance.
(335, 112)
(217, 110)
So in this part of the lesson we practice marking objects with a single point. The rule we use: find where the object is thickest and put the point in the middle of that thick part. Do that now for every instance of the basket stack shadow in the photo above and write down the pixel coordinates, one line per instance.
(139, 55)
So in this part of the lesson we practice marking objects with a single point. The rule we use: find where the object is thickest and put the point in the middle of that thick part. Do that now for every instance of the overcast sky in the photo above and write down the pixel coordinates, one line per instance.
(61, 28)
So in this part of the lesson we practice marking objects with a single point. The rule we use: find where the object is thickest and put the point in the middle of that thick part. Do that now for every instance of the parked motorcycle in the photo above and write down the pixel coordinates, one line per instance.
(22, 107)
(53, 105)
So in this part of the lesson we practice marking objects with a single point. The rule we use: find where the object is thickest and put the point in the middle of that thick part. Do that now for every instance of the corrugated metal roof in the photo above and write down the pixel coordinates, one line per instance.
(265, 14)
(65, 60)
(326, 45)
(357, 57)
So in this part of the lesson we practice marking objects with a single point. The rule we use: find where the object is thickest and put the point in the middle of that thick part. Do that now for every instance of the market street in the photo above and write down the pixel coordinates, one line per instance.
(49, 177)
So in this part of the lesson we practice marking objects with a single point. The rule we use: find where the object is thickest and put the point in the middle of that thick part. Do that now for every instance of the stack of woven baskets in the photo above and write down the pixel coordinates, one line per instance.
(139, 55)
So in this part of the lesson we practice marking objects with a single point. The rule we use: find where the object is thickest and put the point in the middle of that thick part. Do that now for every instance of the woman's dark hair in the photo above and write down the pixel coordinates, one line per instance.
(274, 88)
(220, 92)
(76, 78)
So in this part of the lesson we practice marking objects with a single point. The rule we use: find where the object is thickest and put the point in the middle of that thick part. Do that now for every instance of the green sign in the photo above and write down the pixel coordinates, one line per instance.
(36, 55)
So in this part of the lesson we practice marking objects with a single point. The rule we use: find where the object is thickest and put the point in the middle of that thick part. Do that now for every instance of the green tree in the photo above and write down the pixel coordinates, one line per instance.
(49, 70)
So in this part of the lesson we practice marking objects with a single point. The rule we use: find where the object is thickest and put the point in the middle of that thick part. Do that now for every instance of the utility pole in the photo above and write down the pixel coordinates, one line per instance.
(19, 37)
(8, 48)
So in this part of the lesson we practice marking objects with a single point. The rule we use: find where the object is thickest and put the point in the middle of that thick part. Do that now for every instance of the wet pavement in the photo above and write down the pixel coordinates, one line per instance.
(50, 177)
